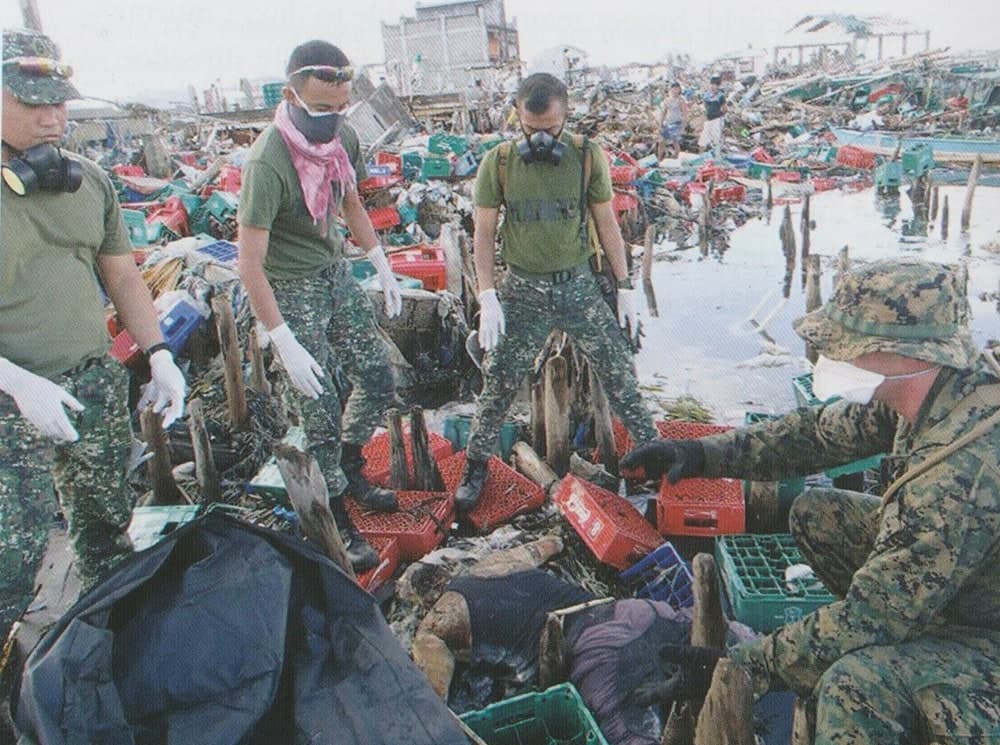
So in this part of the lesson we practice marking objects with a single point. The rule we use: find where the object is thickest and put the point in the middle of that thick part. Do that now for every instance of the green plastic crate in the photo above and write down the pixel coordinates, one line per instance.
(889, 175)
(268, 480)
(412, 164)
(435, 168)
(788, 489)
(362, 269)
(438, 144)
(556, 716)
(272, 93)
(752, 568)
(918, 159)
(135, 222)
(760, 171)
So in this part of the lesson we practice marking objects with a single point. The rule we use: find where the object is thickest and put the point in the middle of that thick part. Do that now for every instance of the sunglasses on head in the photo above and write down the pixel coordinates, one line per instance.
(40, 67)
(326, 73)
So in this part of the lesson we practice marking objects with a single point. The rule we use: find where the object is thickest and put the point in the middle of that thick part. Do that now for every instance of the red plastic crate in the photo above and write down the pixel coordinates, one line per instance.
(731, 193)
(760, 155)
(623, 441)
(711, 173)
(384, 218)
(376, 453)
(505, 494)
(230, 179)
(127, 170)
(703, 507)
(855, 157)
(608, 524)
(125, 349)
(419, 526)
(789, 177)
(622, 202)
(388, 561)
(624, 174)
(392, 160)
(676, 429)
(172, 214)
(824, 184)
(374, 183)
(425, 263)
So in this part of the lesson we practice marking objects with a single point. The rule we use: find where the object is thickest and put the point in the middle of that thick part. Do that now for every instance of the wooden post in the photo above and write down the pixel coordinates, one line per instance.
(727, 716)
(804, 226)
(770, 198)
(239, 415)
(452, 258)
(528, 462)
(604, 432)
(258, 375)
(538, 415)
(787, 234)
(204, 461)
(705, 220)
(970, 190)
(308, 494)
(647, 271)
(708, 628)
(426, 475)
(934, 203)
(158, 468)
(399, 476)
(814, 297)
(557, 443)
(944, 219)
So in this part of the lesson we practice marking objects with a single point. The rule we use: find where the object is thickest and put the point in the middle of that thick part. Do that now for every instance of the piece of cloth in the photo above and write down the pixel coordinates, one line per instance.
(541, 227)
(713, 104)
(321, 166)
(225, 633)
(931, 578)
(87, 475)
(671, 131)
(532, 309)
(271, 198)
(507, 614)
(51, 309)
(333, 319)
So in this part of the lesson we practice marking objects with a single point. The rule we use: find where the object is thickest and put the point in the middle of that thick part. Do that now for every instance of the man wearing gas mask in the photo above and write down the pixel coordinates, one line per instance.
(302, 171)
(64, 424)
(549, 186)
(910, 653)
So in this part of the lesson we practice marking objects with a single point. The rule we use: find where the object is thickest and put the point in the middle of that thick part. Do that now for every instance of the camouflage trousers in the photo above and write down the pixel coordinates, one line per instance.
(942, 687)
(86, 477)
(533, 307)
(332, 317)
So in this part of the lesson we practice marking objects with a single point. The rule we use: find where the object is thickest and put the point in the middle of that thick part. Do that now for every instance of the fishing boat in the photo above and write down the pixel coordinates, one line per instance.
(946, 149)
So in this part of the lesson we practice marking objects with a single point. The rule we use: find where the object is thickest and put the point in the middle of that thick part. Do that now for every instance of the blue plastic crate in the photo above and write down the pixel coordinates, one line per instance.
(222, 252)
(179, 323)
(661, 575)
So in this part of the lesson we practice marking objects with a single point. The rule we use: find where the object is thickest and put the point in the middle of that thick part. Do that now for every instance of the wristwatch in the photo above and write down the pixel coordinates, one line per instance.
(625, 283)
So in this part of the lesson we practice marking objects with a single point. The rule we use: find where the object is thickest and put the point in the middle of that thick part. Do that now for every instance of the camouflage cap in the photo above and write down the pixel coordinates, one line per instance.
(914, 308)
(32, 71)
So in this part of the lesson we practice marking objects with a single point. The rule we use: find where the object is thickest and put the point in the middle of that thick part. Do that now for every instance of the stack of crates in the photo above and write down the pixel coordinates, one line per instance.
(272, 94)
(752, 569)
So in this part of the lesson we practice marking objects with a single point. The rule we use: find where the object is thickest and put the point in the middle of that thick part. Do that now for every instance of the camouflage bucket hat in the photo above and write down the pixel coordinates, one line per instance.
(32, 70)
(913, 308)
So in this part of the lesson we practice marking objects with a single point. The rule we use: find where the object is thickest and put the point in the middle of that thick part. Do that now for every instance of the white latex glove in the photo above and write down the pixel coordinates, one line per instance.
(302, 368)
(166, 387)
(628, 311)
(40, 401)
(491, 320)
(390, 287)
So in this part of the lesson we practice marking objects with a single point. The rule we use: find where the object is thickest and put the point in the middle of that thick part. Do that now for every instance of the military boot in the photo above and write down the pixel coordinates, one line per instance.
(359, 552)
(473, 479)
(375, 498)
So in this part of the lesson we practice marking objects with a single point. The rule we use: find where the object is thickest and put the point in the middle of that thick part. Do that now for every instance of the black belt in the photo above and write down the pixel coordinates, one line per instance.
(556, 278)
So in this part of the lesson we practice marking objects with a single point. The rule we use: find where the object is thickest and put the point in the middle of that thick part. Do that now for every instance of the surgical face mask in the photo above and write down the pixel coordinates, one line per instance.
(832, 378)
(42, 168)
(541, 147)
(315, 126)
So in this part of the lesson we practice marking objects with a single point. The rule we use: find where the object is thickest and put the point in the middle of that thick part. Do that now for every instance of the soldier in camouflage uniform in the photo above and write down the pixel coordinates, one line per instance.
(302, 171)
(59, 234)
(549, 283)
(910, 651)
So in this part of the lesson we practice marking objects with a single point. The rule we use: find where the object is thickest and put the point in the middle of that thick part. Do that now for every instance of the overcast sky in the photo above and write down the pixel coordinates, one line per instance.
(121, 48)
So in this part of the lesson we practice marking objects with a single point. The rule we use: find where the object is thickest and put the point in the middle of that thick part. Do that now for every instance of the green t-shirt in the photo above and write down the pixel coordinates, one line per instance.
(541, 227)
(51, 309)
(271, 198)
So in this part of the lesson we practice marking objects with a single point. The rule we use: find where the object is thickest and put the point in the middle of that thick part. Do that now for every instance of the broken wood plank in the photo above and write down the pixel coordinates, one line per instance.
(399, 471)
(425, 471)
(726, 717)
(204, 462)
(159, 468)
(557, 401)
(239, 414)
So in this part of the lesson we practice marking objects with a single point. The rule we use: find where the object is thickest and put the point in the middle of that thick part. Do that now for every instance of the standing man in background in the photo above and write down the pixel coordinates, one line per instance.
(64, 420)
(301, 173)
(715, 111)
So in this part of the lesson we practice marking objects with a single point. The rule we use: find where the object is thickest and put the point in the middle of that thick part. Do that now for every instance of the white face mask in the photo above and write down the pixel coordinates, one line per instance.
(832, 378)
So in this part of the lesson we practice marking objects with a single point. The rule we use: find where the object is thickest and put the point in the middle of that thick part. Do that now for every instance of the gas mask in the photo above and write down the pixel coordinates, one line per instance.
(316, 126)
(42, 168)
(832, 378)
(541, 147)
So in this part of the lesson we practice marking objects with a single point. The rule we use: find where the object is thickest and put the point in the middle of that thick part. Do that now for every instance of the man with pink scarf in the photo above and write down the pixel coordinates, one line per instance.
(301, 173)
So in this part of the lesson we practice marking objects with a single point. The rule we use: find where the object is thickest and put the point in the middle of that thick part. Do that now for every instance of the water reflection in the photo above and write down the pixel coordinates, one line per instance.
(888, 205)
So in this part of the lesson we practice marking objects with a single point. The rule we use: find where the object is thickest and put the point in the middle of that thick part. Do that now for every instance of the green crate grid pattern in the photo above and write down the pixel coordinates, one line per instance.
(556, 716)
(753, 567)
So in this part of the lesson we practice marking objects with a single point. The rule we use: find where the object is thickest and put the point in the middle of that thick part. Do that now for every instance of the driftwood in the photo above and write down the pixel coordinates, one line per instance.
(814, 297)
(727, 716)
(538, 415)
(708, 628)
(557, 400)
(236, 398)
(399, 473)
(158, 467)
(258, 375)
(204, 461)
(970, 191)
(604, 432)
(528, 462)
(425, 471)
(647, 271)
(308, 494)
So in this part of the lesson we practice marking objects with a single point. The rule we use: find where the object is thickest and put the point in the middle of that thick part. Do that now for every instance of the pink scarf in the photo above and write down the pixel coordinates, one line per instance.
(318, 165)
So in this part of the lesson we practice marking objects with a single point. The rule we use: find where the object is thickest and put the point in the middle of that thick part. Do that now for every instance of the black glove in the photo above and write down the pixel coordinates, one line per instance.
(697, 664)
(655, 693)
(680, 459)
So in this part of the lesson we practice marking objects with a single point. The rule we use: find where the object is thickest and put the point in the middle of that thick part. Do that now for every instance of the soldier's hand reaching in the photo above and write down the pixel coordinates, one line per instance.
(302, 368)
(679, 459)
(386, 279)
(491, 320)
(628, 314)
(40, 401)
